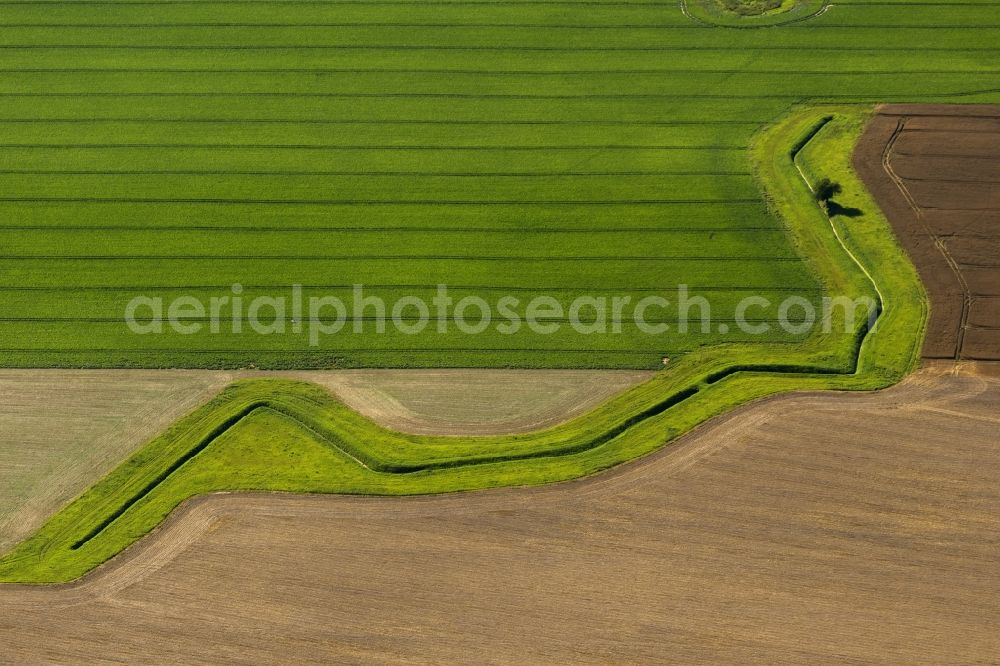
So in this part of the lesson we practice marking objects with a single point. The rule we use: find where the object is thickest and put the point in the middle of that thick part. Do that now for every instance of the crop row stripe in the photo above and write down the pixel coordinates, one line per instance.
(507, 47)
(87, 228)
(353, 350)
(468, 3)
(418, 147)
(456, 95)
(389, 257)
(371, 202)
(527, 26)
(480, 288)
(483, 72)
(394, 121)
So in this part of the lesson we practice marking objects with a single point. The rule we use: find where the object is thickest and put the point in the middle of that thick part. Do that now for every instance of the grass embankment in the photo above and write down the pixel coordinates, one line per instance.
(272, 435)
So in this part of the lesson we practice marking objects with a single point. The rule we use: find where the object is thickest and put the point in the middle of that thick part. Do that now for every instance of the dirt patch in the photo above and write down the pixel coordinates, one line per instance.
(820, 528)
(935, 171)
(473, 402)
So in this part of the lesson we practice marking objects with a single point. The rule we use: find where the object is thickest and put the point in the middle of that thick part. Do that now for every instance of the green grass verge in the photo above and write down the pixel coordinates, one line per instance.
(276, 435)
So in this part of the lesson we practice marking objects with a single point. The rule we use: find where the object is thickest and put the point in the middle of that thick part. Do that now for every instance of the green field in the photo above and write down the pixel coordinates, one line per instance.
(526, 148)
(290, 436)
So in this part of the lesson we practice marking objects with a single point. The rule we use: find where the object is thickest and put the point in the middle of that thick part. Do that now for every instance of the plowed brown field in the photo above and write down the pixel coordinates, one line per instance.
(810, 528)
(935, 171)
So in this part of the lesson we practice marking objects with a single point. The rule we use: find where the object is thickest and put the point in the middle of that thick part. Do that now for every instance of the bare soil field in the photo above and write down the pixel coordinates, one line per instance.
(62, 430)
(935, 171)
(819, 528)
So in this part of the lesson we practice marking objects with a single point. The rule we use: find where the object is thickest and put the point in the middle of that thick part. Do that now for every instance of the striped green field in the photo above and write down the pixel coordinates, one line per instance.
(525, 148)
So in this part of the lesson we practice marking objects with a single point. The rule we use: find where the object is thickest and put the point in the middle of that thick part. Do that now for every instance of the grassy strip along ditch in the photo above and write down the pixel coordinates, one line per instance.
(369, 461)
(278, 435)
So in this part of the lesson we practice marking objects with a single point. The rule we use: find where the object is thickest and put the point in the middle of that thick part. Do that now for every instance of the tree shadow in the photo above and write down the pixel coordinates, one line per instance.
(833, 209)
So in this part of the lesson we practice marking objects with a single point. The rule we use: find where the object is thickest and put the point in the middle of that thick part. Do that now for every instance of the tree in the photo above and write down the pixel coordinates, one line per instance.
(826, 190)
